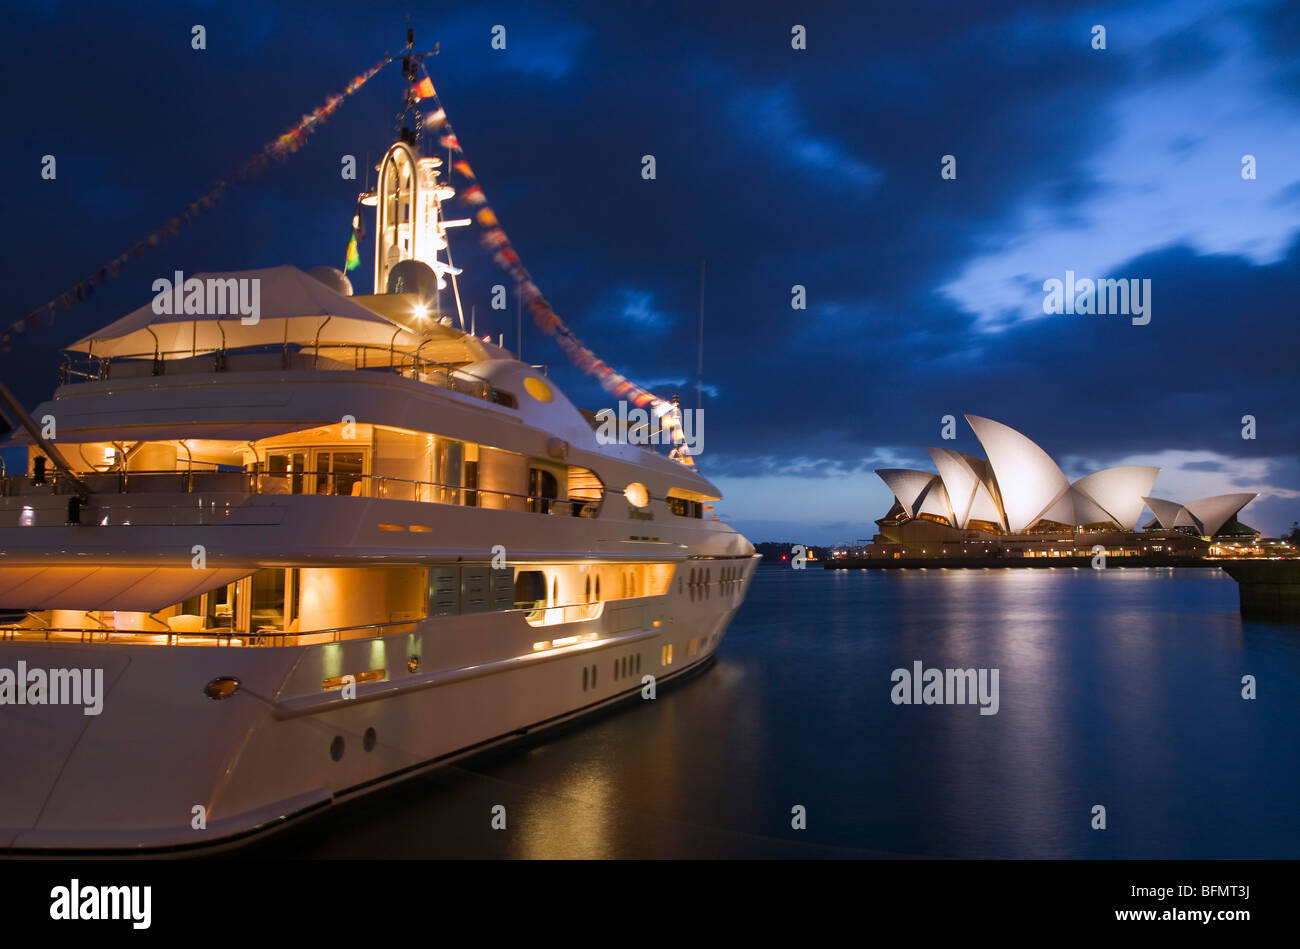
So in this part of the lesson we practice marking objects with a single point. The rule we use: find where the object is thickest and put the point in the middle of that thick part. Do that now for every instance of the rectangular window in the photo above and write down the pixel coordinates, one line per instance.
(684, 507)
(221, 607)
(530, 590)
(471, 483)
(666, 655)
(345, 469)
(450, 466)
(295, 583)
(284, 473)
(267, 600)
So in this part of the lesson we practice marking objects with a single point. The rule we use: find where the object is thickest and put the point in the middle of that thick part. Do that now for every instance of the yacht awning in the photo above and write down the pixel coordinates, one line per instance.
(137, 589)
(293, 307)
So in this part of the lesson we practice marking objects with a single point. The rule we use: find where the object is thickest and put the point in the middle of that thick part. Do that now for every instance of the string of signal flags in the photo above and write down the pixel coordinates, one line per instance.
(492, 237)
(278, 149)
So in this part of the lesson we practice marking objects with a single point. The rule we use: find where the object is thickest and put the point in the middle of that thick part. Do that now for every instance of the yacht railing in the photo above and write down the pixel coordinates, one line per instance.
(269, 636)
(323, 483)
(329, 357)
(408, 489)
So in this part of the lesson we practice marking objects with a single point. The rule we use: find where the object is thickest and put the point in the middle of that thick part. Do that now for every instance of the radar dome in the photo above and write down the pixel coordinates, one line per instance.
(413, 276)
(333, 278)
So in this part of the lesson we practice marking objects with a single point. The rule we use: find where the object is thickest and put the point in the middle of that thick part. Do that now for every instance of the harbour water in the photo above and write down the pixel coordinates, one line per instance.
(1120, 688)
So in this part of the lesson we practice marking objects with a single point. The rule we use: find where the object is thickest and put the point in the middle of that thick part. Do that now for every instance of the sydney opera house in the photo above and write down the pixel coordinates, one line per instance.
(1017, 502)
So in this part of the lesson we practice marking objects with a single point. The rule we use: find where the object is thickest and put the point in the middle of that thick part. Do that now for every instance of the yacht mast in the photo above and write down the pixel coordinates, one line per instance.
(409, 193)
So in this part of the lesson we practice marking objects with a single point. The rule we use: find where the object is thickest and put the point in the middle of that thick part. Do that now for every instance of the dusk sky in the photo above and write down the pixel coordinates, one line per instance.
(781, 167)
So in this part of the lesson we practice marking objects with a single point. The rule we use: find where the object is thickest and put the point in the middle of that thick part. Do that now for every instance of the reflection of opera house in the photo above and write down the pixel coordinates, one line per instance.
(1018, 503)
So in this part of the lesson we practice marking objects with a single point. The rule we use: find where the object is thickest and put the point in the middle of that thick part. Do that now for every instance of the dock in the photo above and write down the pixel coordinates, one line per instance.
(1269, 589)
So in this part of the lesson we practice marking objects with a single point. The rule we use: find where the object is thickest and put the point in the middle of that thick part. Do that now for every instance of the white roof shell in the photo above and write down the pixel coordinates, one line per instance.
(1021, 485)
(1117, 492)
(919, 492)
(965, 477)
(1029, 480)
(1207, 515)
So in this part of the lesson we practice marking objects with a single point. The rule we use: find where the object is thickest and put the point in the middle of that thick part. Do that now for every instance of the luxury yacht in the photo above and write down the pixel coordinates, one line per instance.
(275, 550)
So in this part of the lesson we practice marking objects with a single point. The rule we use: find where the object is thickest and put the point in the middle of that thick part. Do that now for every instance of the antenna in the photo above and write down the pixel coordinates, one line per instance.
(699, 368)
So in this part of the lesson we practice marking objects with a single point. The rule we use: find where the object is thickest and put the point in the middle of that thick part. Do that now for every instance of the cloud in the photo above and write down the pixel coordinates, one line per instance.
(1164, 170)
(632, 308)
(785, 132)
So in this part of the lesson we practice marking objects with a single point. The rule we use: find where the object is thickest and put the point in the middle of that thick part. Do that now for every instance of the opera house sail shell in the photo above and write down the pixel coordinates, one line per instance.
(1206, 516)
(967, 480)
(1114, 494)
(1020, 490)
(1031, 484)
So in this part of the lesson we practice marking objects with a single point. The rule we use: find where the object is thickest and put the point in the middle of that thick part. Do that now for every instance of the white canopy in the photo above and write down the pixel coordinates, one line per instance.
(293, 307)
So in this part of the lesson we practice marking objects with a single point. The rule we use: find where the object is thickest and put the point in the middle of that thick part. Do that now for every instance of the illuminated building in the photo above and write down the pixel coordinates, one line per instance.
(1018, 502)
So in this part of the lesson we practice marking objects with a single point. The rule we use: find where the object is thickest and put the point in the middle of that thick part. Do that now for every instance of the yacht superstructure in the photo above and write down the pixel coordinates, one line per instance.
(310, 553)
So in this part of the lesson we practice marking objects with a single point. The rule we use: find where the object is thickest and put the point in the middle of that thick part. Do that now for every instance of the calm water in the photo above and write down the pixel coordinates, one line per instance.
(1119, 688)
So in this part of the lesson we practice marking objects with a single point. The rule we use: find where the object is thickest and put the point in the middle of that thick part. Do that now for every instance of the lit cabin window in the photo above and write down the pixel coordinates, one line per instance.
(684, 507)
(636, 494)
(530, 590)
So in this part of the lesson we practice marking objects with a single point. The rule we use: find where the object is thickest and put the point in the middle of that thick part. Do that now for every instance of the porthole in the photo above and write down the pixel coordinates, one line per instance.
(538, 389)
(636, 494)
(369, 740)
(221, 687)
(336, 748)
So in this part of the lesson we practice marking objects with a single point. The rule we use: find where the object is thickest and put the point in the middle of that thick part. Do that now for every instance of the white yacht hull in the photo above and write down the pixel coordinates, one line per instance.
(165, 768)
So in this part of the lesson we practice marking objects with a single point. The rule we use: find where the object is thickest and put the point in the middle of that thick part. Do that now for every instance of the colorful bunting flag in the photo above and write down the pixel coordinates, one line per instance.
(285, 144)
(353, 258)
(497, 244)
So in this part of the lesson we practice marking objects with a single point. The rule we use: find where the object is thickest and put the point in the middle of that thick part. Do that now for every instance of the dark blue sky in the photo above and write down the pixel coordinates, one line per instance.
(817, 167)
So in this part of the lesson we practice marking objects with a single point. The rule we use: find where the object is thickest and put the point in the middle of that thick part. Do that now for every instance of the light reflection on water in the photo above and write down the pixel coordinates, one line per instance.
(1117, 687)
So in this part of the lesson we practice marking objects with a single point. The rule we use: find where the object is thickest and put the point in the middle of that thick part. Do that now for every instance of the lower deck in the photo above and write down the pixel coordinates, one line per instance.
(310, 605)
(247, 736)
